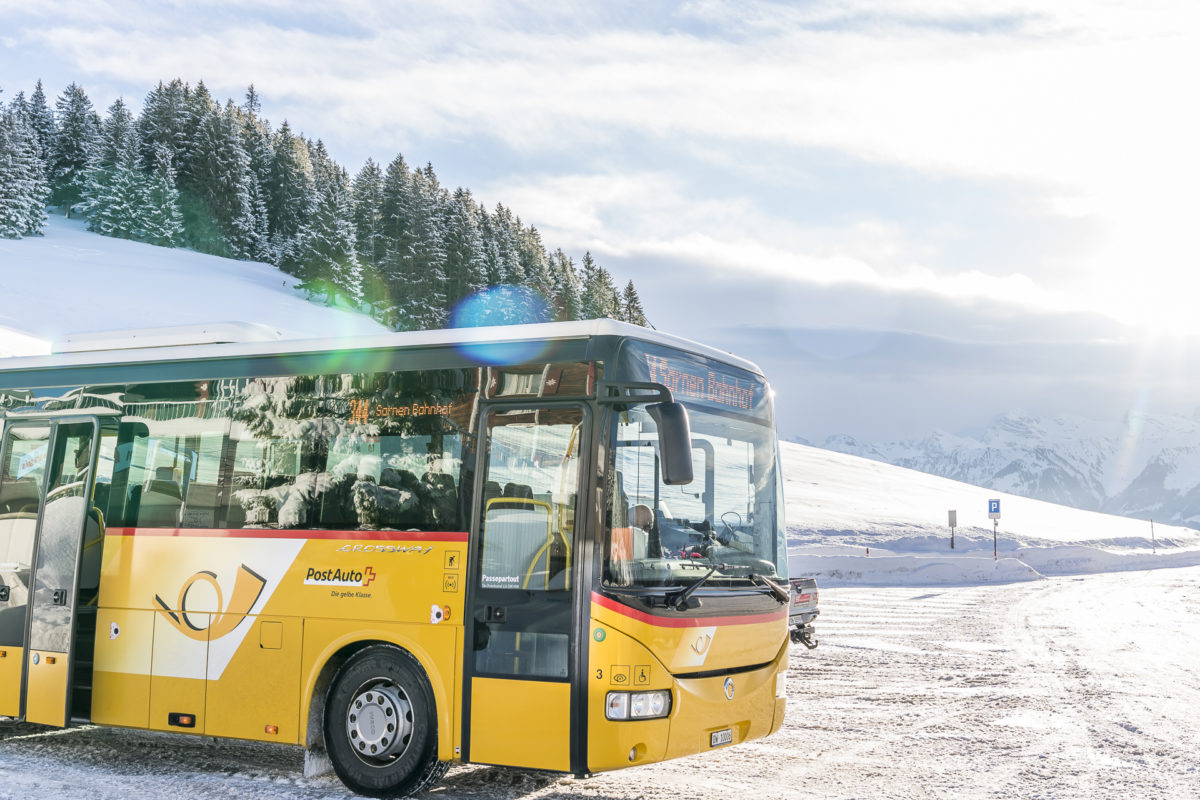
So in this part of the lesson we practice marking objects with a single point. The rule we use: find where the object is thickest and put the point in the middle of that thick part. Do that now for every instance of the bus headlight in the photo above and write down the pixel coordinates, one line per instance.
(637, 705)
(781, 685)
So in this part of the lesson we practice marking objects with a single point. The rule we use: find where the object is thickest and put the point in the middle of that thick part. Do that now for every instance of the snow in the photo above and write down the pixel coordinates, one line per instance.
(853, 521)
(70, 280)
(1063, 669)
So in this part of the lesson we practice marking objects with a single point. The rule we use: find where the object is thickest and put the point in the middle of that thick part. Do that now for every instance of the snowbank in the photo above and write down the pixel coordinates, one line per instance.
(834, 571)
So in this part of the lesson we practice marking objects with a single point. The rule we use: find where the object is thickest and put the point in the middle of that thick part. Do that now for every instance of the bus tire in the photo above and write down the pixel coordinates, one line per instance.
(381, 726)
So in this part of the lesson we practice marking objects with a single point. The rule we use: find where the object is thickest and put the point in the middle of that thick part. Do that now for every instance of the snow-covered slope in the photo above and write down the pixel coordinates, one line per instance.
(1147, 467)
(856, 520)
(70, 281)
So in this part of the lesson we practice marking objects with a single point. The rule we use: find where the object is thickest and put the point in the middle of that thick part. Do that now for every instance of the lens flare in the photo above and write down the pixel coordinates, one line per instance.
(501, 305)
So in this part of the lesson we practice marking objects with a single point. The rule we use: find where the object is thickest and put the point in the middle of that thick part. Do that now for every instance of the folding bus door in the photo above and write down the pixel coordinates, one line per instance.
(519, 665)
(46, 481)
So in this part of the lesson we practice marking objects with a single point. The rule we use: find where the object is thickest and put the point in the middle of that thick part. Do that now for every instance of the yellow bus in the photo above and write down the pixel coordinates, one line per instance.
(553, 546)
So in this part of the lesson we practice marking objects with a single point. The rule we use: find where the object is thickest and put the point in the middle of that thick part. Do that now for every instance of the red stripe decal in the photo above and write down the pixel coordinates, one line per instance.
(271, 533)
(684, 622)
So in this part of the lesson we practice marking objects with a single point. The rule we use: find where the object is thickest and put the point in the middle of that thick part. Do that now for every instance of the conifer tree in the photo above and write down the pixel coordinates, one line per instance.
(503, 229)
(566, 295)
(165, 122)
(466, 268)
(424, 269)
(600, 299)
(322, 254)
(291, 194)
(399, 244)
(256, 141)
(535, 266)
(631, 307)
(113, 187)
(74, 147)
(366, 201)
(218, 209)
(23, 187)
(162, 222)
(41, 119)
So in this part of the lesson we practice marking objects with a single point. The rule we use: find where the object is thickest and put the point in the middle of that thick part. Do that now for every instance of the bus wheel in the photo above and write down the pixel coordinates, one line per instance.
(380, 728)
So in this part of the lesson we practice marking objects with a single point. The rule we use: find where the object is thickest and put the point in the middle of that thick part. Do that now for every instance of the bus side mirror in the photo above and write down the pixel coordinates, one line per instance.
(674, 442)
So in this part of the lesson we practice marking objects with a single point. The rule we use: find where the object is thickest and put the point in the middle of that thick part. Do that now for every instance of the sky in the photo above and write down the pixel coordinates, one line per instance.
(912, 214)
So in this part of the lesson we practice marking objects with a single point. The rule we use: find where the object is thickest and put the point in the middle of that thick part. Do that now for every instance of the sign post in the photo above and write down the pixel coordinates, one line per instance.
(953, 523)
(994, 514)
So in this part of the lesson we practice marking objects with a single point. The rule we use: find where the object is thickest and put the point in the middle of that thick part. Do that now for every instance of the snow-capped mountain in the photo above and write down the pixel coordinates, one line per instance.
(1143, 466)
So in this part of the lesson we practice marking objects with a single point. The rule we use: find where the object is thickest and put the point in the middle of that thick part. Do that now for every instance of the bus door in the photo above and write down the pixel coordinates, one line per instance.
(46, 482)
(519, 663)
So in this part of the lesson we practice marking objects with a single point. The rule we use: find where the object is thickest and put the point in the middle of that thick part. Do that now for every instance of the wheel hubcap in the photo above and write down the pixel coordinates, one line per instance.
(379, 722)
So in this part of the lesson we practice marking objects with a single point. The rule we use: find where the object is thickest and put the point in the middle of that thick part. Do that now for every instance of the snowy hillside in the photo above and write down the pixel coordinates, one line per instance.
(1148, 467)
(853, 520)
(71, 281)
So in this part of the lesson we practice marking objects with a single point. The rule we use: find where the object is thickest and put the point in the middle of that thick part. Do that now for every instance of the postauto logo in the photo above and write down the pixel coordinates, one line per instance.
(339, 577)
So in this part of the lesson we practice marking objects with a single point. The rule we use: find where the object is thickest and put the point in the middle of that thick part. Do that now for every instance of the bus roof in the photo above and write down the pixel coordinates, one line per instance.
(168, 344)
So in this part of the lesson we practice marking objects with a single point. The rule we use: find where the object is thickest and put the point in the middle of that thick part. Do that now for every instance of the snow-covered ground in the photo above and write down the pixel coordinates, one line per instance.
(855, 522)
(1070, 688)
(71, 281)
(1063, 669)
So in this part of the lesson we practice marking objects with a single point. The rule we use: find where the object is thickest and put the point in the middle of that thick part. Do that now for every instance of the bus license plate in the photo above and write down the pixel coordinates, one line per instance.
(722, 737)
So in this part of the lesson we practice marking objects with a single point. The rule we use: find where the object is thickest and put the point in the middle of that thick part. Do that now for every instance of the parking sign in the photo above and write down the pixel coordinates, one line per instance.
(993, 509)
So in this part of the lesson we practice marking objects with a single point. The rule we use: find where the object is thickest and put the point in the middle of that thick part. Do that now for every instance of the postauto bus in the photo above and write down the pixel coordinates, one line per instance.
(552, 546)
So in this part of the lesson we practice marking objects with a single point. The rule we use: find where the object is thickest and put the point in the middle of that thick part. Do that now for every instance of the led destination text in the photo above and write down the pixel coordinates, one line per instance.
(710, 387)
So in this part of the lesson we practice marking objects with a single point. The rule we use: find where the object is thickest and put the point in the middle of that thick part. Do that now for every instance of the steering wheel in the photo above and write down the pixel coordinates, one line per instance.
(731, 530)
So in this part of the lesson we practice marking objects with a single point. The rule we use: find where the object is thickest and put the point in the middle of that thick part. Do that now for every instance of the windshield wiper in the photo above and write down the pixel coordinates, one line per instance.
(781, 594)
(679, 601)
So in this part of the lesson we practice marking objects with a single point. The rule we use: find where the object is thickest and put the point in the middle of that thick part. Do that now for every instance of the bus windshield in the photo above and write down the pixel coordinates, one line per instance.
(726, 525)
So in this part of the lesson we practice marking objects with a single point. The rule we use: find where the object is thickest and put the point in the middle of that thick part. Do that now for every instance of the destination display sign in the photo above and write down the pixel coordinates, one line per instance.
(694, 381)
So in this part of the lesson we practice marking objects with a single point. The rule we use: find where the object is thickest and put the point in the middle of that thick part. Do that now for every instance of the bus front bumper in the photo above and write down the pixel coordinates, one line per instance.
(707, 713)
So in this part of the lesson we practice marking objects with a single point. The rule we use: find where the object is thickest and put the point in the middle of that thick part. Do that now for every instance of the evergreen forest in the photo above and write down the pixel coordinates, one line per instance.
(188, 171)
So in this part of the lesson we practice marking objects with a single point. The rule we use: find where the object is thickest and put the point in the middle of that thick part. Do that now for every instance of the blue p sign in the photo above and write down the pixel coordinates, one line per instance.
(994, 509)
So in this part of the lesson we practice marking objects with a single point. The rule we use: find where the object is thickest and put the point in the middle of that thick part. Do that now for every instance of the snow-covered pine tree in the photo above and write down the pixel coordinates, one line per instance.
(397, 217)
(566, 297)
(19, 106)
(165, 122)
(23, 187)
(631, 307)
(113, 186)
(162, 222)
(41, 118)
(366, 201)
(535, 266)
(290, 194)
(322, 253)
(587, 278)
(466, 267)
(504, 229)
(425, 270)
(256, 140)
(75, 142)
(600, 299)
(218, 210)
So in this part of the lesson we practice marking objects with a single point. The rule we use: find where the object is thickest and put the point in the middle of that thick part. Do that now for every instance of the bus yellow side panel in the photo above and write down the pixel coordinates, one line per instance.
(10, 680)
(436, 647)
(536, 736)
(177, 679)
(46, 690)
(261, 686)
(121, 675)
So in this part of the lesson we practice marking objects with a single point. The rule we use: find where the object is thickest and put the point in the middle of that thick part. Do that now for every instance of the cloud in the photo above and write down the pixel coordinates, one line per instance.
(1078, 103)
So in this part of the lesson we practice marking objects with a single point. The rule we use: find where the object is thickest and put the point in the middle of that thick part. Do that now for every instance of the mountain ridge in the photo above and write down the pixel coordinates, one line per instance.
(1143, 466)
